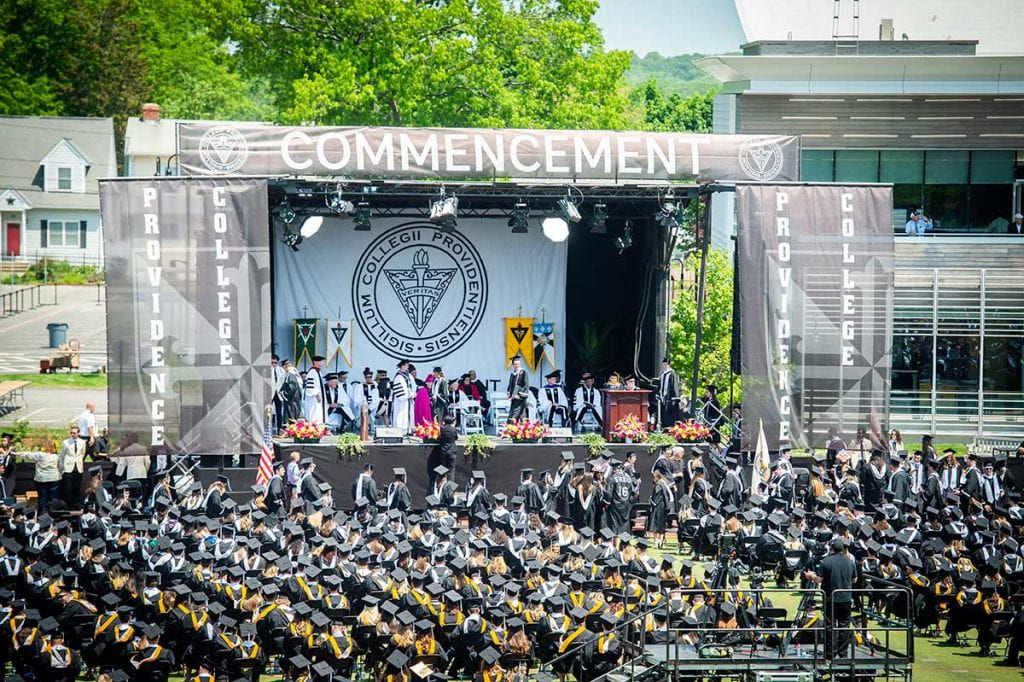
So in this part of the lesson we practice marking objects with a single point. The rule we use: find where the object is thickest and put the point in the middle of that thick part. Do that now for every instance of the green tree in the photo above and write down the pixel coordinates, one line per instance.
(531, 63)
(716, 340)
(673, 113)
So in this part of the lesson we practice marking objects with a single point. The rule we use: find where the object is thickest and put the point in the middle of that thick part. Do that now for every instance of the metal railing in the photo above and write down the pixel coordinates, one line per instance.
(70, 257)
(27, 298)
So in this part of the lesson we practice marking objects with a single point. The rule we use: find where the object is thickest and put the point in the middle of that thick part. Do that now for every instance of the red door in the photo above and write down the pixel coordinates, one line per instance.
(13, 239)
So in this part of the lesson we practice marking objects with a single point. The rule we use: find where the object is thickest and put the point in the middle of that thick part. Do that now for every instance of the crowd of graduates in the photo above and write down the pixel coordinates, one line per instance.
(478, 584)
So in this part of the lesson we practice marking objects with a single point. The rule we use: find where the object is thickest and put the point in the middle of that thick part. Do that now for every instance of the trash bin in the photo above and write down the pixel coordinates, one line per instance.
(58, 333)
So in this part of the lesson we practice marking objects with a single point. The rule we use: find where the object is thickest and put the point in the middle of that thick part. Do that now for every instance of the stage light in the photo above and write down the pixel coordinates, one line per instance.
(445, 212)
(520, 220)
(291, 238)
(625, 241)
(285, 213)
(668, 213)
(310, 226)
(599, 219)
(569, 210)
(555, 229)
(362, 217)
(337, 203)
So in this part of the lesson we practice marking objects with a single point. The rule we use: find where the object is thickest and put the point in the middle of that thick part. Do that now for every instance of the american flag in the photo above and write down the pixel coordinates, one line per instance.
(266, 468)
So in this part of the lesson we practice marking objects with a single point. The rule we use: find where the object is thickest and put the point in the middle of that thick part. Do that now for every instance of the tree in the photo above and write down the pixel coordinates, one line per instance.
(716, 339)
(673, 113)
(490, 63)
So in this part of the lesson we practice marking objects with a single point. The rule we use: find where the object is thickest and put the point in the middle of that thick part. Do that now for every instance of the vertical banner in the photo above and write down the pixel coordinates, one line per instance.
(188, 312)
(544, 344)
(305, 340)
(519, 340)
(338, 334)
(816, 288)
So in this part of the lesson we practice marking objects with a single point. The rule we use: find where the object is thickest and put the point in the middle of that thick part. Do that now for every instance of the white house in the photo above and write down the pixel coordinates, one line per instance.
(49, 198)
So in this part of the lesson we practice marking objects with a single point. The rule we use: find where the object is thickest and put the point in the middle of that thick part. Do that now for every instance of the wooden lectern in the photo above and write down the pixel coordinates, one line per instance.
(617, 404)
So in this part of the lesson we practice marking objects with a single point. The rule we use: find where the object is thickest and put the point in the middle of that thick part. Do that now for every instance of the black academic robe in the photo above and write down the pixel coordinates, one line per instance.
(972, 484)
(662, 505)
(584, 508)
(899, 485)
(7, 475)
(274, 499)
(518, 390)
(214, 507)
(532, 498)
(479, 500)
(731, 490)
(444, 492)
(559, 497)
(369, 489)
(291, 397)
(618, 501)
(309, 491)
(399, 497)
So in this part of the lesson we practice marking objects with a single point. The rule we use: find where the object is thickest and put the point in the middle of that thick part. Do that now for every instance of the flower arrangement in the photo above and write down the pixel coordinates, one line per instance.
(349, 445)
(428, 430)
(690, 431)
(524, 429)
(300, 429)
(478, 445)
(629, 429)
(594, 441)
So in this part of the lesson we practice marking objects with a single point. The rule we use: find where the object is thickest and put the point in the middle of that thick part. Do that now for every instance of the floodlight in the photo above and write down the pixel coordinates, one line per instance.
(625, 241)
(362, 217)
(285, 213)
(555, 229)
(569, 210)
(520, 220)
(310, 226)
(599, 219)
(291, 238)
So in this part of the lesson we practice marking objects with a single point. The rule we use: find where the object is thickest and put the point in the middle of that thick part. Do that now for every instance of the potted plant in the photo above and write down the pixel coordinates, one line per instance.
(524, 430)
(349, 445)
(629, 429)
(595, 443)
(428, 431)
(478, 445)
(690, 431)
(302, 431)
(659, 441)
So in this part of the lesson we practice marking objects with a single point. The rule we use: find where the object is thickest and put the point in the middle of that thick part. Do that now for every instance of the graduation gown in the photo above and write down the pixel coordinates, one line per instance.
(532, 498)
(479, 499)
(731, 489)
(365, 487)
(309, 491)
(587, 401)
(7, 477)
(518, 392)
(584, 508)
(553, 402)
(618, 501)
(662, 504)
(399, 497)
(559, 497)
(291, 397)
(314, 401)
(274, 497)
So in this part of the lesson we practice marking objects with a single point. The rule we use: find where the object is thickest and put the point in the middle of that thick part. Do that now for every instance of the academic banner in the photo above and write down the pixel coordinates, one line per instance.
(305, 341)
(188, 312)
(519, 340)
(816, 287)
(423, 153)
(419, 293)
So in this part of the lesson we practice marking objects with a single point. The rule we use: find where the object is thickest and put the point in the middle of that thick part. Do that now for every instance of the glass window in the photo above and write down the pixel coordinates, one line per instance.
(816, 165)
(62, 233)
(901, 166)
(856, 165)
(946, 205)
(956, 363)
(64, 179)
(945, 166)
(1003, 370)
(992, 166)
(990, 207)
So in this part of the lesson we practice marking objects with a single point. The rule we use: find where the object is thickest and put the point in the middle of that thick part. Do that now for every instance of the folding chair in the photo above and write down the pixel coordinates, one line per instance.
(471, 417)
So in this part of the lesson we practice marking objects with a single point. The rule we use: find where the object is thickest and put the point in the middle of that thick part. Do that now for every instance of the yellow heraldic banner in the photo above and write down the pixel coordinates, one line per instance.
(339, 341)
(519, 340)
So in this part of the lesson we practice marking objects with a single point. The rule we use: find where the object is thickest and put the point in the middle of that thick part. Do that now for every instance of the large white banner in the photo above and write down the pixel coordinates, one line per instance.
(419, 293)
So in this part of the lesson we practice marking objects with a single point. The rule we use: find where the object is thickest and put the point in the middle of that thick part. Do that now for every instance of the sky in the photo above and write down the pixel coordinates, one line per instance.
(670, 27)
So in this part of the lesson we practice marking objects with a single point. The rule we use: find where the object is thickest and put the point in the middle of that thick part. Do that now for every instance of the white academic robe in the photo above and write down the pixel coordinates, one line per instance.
(402, 393)
(552, 397)
(313, 401)
(344, 404)
(585, 397)
(363, 393)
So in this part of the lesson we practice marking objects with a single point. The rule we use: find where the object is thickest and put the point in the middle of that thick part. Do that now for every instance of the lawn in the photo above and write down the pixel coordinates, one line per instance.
(61, 379)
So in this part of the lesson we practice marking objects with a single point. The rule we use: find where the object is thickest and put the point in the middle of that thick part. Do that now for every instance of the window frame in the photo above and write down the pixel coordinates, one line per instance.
(51, 232)
(71, 179)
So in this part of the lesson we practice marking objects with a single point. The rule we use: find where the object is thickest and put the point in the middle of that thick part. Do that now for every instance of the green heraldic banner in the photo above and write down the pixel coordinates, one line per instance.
(816, 288)
(188, 313)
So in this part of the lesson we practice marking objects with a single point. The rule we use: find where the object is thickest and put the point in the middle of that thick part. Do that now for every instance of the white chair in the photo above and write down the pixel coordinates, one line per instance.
(587, 424)
(499, 409)
(471, 417)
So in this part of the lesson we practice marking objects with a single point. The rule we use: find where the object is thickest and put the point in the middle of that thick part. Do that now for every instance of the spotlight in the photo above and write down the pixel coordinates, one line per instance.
(310, 226)
(555, 229)
(286, 214)
(667, 215)
(569, 210)
(599, 219)
(362, 217)
(339, 204)
(291, 238)
(445, 212)
(626, 240)
(520, 220)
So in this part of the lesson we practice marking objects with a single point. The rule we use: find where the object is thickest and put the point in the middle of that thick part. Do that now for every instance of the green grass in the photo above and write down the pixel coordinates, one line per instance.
(61, 379)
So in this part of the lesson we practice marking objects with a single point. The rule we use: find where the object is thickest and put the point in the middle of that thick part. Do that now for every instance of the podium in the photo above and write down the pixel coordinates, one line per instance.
(618, 404)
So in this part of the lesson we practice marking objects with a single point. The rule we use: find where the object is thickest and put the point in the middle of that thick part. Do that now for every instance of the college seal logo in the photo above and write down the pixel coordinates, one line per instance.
(419, 292)
(761, 159)
(223, 149)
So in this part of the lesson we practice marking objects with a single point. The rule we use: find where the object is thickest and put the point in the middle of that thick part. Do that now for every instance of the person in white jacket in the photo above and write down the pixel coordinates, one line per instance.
(131, 460)
(46, 477)
(72, 466)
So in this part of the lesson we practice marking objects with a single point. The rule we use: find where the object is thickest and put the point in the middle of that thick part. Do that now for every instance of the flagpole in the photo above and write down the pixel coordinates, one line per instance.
(338, 342)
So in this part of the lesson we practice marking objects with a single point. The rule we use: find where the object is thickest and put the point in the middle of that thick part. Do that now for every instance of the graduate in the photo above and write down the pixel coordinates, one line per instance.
(669, 396)
(398, 496)
(314, 401)
(518, 390)
(587, 401)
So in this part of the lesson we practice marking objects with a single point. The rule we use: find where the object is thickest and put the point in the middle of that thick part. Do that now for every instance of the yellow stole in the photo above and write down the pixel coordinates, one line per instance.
(569, 640)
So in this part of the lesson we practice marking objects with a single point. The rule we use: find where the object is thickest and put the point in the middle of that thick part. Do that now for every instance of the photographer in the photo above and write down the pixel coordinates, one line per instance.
(836, 574)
